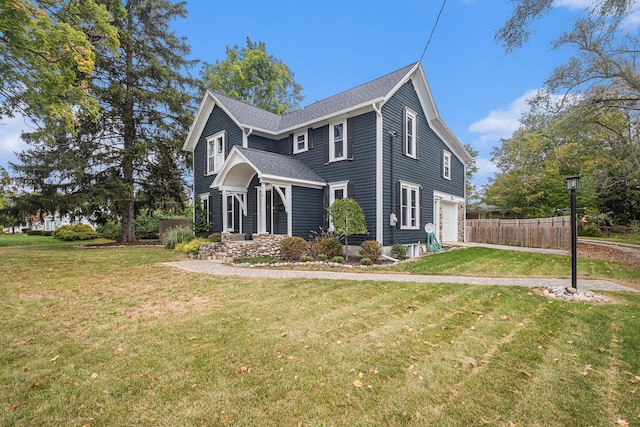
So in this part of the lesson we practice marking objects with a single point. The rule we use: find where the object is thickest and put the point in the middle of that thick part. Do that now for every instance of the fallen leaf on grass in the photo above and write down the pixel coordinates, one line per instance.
(53, 359)
(627, 373)
(503, 317)
(15, 406)
(586, 370)
(358, 384)
(622, 423)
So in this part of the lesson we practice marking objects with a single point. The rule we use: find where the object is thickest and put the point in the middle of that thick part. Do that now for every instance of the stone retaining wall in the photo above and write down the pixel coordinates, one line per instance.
(230, 249)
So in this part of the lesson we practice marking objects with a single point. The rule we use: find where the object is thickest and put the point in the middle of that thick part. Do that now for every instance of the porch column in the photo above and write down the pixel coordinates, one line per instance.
(262, 206)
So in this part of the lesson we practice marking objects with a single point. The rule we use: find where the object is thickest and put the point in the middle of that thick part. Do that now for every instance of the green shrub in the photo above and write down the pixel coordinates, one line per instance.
(323, 257)
(371, 249)
(590, 230)
(111, 230)
(47, 232)
(147, 224)
(75, 232)
(366, 261)
(191, 247)
(292, 248)
(331, 246)
(306, 258)
(177, 235)
(215, 237)
(34, 232)
(399, 251)
(339, 259)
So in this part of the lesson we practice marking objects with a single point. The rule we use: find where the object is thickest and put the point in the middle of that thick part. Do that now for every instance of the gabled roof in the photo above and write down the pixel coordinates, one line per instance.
(270, 167)
(376, 91)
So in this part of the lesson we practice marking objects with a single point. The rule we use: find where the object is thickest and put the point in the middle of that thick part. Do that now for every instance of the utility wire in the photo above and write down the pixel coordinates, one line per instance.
(444, 2)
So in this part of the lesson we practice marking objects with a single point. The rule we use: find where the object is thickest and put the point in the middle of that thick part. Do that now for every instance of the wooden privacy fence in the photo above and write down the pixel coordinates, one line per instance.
(167, 224)
(552, 233)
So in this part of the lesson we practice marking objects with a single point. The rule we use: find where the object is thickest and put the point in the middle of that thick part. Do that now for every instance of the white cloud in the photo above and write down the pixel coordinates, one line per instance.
(575, 4)
(501, 123)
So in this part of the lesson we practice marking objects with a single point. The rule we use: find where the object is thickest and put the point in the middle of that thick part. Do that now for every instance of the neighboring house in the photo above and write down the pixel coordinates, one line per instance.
(484, 211)
(382, 143)
(51, 222)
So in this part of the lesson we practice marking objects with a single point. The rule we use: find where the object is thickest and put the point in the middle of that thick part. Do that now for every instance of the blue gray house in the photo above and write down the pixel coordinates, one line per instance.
(382, 143)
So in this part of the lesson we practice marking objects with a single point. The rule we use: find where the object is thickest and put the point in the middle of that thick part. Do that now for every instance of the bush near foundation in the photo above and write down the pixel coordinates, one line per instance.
(292, 248)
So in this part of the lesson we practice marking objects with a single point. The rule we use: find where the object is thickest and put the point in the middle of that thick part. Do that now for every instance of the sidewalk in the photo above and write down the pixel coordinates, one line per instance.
(221, 269)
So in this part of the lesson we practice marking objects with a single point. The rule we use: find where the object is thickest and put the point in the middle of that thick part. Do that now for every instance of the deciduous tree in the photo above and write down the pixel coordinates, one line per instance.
(347, 219)
(251, 75)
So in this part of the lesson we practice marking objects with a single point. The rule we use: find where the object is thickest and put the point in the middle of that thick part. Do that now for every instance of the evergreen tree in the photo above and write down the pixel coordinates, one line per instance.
(145, 110)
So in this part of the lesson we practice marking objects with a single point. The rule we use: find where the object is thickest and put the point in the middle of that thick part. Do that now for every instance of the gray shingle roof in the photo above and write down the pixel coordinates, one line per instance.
(258, 118)
(274, 164)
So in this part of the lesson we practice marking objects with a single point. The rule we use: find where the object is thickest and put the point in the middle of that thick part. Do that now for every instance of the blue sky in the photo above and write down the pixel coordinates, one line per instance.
(335, 45)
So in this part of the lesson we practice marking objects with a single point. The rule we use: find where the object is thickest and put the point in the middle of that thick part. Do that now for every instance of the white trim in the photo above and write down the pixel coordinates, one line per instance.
(408, 112)
(304, 135)
(446, 165)
(413, 191)
(245, 137)
(219, 154)
(379, 174)
(206, 197)
(439, 198)
(332, 151)
(333, 187)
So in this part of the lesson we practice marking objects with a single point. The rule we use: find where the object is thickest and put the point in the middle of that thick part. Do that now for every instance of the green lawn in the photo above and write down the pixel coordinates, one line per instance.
(498, 263)
(24, 240)
(110, 337)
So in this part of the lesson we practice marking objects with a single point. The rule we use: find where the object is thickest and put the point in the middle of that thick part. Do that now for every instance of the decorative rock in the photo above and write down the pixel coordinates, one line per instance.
(573, 295)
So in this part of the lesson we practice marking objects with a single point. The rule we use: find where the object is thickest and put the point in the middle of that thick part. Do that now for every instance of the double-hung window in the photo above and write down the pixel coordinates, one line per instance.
(216, 148)
(300, 143)
(446, 165)
(410, 133)
(338, 141)
(409, 205)
(204, 204)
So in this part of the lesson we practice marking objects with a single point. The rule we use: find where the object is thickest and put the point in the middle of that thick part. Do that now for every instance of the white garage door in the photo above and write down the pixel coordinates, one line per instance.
(449, 222)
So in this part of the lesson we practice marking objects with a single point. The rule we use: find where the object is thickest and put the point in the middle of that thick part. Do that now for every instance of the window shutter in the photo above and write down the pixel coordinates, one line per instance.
(404, 130)
(420, 204)
(349, 140)
(398, 204)
(310, 138)
(325, 205)
(326, 144)
(350, 189)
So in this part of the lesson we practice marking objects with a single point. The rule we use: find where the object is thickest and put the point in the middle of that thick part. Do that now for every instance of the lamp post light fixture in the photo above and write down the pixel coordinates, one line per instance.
(573, 183)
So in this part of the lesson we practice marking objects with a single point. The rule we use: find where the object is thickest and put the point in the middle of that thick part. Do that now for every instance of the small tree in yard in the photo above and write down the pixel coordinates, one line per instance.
(348, 219)
(201, 225)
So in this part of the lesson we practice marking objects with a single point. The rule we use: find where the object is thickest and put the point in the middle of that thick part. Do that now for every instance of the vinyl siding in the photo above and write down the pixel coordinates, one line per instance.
(218, 120)
(308, 211)
(425, 171)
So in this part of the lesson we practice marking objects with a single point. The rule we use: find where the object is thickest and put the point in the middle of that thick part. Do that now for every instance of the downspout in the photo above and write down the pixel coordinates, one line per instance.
(379, 175)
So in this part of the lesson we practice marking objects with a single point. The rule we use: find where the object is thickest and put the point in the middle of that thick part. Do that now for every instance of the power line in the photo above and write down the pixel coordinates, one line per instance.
(444, 2)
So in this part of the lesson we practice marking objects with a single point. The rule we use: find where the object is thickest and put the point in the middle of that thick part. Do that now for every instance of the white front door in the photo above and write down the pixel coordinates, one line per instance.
(449, 222)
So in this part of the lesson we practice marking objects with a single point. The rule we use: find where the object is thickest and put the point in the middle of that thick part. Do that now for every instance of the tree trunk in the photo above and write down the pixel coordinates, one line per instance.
(129, 140)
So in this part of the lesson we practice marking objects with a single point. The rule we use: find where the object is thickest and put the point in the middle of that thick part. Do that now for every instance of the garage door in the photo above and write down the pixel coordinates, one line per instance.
(449, 222)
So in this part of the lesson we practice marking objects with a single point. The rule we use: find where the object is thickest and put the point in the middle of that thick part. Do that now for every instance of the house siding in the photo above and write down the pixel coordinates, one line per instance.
(425, 171)
(307, 211)
(218, 120)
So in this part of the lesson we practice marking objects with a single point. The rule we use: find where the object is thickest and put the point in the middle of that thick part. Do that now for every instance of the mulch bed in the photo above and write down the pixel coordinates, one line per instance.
(621, 254)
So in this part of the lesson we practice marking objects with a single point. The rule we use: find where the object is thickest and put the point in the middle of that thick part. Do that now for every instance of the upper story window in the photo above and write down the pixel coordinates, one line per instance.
(338, 141)
(300, 143)
(410, 133)
(409, 205)
(446, 165)
(216, 150)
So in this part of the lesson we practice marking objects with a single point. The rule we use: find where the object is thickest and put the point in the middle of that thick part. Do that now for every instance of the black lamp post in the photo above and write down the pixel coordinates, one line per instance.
(573, 183)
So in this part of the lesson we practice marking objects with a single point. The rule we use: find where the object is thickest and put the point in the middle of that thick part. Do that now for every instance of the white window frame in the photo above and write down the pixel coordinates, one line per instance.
(410, 208)
(305, 141)
(332, 141)
(205, 204)
(446, 165)
(411, 133)
(217, 154)
(333, 188)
